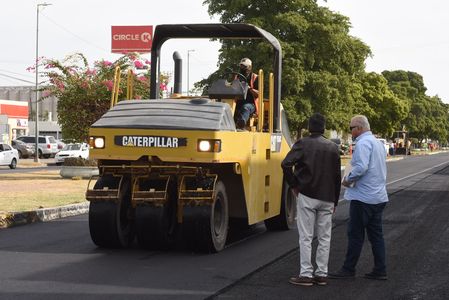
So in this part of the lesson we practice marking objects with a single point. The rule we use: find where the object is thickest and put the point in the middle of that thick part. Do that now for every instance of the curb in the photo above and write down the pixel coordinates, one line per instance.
(31, 165)
(10, 219)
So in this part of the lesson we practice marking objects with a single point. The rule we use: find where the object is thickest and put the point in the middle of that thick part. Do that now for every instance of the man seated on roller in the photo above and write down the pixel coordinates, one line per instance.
(247, 107)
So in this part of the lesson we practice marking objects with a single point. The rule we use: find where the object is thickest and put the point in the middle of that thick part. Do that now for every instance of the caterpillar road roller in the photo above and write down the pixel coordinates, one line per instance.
(177, 169)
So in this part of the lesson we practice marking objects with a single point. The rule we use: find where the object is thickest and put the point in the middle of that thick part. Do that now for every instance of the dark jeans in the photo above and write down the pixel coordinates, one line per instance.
(244, 111)
(367, 217)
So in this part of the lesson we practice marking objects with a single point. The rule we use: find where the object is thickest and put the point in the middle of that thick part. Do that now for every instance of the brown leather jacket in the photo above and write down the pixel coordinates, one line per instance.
(313, 166)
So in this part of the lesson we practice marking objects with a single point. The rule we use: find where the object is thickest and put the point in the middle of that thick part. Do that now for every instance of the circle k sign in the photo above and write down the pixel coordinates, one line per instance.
(131, 39)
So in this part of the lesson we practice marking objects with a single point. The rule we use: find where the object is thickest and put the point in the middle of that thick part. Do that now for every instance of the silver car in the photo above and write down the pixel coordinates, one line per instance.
(8, 156)
(25, 150)
(48, 147)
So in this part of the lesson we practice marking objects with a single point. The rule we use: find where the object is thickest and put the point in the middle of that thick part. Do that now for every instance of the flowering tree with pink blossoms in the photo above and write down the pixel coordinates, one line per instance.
(84, 91)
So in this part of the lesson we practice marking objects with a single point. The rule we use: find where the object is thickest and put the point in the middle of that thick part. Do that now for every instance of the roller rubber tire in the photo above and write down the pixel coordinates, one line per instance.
(286, 218)
(205, 228)
(111, 224)
(156, 227)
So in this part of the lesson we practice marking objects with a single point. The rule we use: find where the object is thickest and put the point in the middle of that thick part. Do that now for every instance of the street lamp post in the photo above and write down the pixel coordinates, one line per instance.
(36, 123)
(188, 71)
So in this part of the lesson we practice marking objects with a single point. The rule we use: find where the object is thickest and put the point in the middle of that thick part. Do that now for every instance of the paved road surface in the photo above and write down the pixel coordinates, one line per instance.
(416, 230)
(57, 260)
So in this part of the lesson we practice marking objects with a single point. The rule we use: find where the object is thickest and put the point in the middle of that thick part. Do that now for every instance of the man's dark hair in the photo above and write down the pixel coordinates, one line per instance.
(317, 123)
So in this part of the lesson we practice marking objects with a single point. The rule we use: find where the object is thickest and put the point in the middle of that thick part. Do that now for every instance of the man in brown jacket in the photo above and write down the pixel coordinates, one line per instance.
(312, 169)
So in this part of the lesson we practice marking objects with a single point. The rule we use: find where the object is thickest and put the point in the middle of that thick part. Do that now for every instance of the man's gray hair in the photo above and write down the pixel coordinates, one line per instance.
(362, 121)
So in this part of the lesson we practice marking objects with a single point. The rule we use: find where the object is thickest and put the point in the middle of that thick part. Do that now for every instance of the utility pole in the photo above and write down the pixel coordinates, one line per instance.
(188, 69)
(36, 122)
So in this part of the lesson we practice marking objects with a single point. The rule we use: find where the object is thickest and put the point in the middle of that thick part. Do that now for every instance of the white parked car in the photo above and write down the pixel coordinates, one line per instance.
(8, 156)
(72, 150)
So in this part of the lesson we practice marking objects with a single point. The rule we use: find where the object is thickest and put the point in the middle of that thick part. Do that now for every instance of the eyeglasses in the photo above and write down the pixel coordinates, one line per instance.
(352, 127)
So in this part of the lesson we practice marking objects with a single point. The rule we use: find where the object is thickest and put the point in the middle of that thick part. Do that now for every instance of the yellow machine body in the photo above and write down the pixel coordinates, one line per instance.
(246, 154)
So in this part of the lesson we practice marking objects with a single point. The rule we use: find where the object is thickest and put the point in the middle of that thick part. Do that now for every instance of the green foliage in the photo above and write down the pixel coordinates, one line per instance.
(383, 108)
(324, 70)
(429, 116)
(320, 58)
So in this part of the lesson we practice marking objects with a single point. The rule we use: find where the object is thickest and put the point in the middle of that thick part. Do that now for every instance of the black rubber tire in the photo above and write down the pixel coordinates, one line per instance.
(287, 216)
(20, 154)
(111, 224)
(13, 164)
(205, 228)
(156, 227)
(40, 153)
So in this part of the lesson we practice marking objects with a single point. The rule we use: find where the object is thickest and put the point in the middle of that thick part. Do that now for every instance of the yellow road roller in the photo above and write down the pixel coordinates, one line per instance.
(177, 170)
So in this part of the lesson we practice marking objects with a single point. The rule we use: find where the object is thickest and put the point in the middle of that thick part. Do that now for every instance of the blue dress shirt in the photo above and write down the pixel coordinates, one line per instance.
(369, 171)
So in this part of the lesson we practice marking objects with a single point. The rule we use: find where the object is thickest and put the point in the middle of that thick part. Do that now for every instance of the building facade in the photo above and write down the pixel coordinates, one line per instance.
(47, 107)
(14, 120)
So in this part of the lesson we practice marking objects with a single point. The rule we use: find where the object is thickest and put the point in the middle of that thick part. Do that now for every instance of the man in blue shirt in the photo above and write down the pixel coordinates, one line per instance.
(366, 190)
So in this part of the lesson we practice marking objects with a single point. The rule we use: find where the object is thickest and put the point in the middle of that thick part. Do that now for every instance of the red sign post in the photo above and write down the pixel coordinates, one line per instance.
(131, 39)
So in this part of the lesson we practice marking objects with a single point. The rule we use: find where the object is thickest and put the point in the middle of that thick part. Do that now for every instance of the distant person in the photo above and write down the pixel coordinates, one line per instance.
(247, 107)
(366, 190)
(312, 170)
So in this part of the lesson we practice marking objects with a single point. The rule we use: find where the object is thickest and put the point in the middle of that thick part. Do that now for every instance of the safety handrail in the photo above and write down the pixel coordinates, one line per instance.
(271, 99)
(130, 85)
(116, 86)
(261, 109)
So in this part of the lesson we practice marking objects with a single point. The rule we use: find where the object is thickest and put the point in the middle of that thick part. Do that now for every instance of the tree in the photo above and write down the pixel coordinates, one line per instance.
(429, 116)
(320, 58)
(384, 110)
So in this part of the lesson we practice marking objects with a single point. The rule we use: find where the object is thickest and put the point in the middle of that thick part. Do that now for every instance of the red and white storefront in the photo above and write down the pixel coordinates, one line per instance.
(13, 120)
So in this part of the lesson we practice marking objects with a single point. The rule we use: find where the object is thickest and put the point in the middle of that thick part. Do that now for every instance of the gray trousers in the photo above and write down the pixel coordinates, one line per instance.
(314, 217)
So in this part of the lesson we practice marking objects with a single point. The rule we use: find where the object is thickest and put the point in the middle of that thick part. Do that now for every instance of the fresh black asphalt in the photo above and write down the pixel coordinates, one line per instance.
(57, 259)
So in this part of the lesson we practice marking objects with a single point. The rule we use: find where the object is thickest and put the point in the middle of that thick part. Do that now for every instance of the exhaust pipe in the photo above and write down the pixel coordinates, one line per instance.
(177, 89)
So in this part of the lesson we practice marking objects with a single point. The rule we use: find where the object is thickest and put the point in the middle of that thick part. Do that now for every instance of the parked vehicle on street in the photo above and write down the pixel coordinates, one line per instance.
(8, 156)
(48, 147)
(342, 148)
(72, 150)
(61, 144)
(25, 150)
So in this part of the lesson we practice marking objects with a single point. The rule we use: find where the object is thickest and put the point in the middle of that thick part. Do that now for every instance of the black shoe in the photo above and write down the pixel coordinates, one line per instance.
(376, 276)
(300, 280)
(320, 280)
(341, 274)
(240, 124)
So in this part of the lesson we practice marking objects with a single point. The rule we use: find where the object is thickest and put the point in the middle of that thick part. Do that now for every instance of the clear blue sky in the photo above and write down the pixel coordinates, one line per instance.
(408, 35)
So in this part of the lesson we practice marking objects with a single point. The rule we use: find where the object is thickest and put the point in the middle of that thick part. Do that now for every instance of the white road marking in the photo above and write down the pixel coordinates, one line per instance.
(416, 173)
